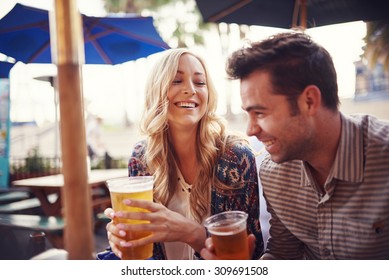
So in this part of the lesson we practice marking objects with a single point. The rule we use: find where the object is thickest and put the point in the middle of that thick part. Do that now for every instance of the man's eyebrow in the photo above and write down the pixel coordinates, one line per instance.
(254, 107)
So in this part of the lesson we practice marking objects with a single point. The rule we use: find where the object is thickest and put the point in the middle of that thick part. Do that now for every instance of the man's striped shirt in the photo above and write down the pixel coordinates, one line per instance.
(351, 220)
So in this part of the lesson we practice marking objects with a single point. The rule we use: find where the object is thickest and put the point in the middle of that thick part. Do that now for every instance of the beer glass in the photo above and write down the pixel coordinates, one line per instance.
(139, 187)
(229, 235)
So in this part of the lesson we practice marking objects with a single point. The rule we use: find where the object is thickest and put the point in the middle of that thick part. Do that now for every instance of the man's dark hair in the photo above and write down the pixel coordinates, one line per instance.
(293, 61)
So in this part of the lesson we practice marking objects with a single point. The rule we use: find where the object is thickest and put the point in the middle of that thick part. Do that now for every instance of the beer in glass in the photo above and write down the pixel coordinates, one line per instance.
(229, 235)
(139, 187)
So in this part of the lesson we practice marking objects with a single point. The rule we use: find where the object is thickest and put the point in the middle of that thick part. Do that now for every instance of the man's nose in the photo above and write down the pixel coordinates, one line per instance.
(253, 128)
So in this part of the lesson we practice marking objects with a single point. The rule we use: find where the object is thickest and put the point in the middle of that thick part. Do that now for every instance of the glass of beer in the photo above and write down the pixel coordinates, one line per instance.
(139, 187)
(229, 234)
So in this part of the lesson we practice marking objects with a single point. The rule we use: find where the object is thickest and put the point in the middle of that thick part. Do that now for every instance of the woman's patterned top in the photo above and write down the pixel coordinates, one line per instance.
(234, 167)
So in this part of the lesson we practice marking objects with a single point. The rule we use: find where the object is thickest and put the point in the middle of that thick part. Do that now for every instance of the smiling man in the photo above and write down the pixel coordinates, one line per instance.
(326, 178)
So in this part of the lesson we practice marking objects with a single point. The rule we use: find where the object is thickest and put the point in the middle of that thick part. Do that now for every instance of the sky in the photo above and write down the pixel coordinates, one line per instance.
(120, 86)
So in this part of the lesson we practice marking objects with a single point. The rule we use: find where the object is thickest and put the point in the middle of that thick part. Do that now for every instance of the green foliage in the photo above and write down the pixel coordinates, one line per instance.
(116, 6)
(181, 16)
(33, 163)
(101, 163)
(136, 6)
(154, 4)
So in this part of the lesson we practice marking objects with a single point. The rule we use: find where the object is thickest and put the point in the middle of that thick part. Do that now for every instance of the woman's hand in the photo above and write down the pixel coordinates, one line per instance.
(165, 225)
(114, 234)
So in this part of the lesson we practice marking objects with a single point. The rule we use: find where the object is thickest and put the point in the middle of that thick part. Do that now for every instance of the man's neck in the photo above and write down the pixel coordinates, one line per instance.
(322, 160)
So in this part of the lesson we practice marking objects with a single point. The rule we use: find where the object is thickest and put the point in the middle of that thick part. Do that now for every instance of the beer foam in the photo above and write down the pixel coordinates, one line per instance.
(225, 232)
(127, 185)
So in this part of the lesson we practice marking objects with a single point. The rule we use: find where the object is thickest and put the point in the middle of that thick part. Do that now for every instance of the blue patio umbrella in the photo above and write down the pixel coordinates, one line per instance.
(5, 67)
(25, 36)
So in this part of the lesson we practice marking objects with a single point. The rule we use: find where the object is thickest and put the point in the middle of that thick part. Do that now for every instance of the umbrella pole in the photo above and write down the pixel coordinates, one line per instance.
(67, 51)
(300, 12)
(303, 18)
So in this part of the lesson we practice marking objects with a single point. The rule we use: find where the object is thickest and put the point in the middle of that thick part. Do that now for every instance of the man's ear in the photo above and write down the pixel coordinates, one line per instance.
(310, 99)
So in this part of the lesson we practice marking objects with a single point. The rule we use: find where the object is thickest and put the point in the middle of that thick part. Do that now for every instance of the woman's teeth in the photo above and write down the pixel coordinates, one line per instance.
(186, 104)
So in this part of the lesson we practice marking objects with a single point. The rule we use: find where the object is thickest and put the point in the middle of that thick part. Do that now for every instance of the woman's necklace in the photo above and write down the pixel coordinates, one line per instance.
(184, 186)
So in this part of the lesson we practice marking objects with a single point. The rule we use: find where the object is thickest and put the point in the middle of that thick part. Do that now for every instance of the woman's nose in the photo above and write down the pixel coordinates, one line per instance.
(189, 88)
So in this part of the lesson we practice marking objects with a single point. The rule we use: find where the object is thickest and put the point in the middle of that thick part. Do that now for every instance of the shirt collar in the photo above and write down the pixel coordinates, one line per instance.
(348, 164)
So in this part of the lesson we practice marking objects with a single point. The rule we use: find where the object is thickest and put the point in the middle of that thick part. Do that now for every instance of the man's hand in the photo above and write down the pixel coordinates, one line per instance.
(208, 253)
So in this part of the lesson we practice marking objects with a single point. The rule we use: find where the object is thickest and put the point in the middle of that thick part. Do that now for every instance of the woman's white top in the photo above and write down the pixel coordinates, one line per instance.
(180, 204)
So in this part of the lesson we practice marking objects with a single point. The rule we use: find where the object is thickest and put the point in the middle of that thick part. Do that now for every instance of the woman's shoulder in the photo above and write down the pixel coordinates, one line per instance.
(136, 163)
(139, 148)
(238, 147)
(236, 162)
(237, 153)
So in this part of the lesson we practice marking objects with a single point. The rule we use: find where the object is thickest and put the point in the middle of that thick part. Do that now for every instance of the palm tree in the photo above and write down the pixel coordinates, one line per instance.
(117, 6)
(186, 25)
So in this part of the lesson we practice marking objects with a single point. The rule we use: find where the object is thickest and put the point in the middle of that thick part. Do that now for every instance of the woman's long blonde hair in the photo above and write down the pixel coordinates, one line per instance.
(159, 155)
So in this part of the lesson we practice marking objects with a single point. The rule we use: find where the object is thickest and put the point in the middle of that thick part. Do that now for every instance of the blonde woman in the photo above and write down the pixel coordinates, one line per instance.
(199, 168)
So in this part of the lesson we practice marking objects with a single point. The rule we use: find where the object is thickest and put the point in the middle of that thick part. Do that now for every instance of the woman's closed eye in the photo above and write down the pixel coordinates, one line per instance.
(200, 83)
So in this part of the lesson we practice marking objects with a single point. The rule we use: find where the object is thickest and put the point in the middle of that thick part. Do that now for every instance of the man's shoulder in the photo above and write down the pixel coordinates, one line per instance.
(368, 121)
(280, 175)
(373, 129)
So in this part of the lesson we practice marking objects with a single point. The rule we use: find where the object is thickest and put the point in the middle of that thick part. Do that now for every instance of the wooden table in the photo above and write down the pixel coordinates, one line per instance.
(44, 187)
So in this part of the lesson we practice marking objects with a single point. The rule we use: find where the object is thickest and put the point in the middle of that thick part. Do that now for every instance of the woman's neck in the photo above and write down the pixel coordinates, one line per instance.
(184, 143)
